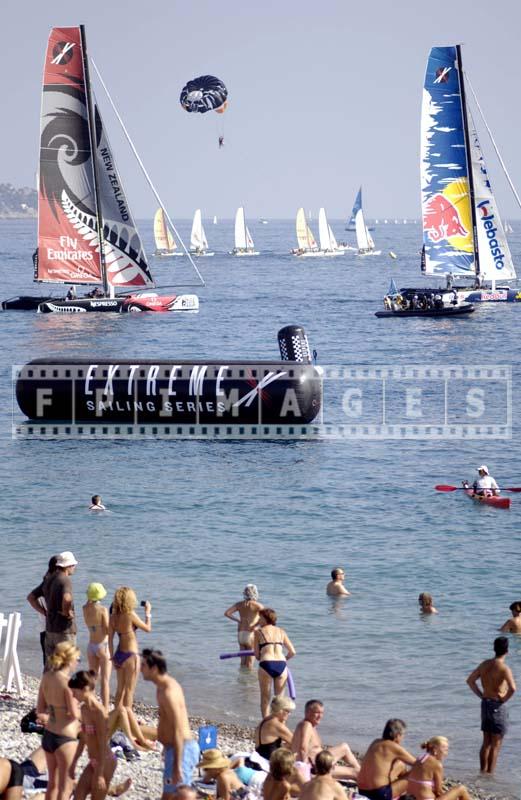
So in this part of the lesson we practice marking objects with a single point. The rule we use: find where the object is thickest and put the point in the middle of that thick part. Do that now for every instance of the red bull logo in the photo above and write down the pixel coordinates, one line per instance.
(441, 219)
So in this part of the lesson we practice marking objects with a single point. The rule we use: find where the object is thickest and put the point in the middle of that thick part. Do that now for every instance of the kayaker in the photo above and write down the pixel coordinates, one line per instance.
(485, 485)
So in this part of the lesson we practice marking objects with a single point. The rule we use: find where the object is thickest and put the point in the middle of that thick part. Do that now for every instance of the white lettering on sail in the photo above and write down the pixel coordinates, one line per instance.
(114, 182)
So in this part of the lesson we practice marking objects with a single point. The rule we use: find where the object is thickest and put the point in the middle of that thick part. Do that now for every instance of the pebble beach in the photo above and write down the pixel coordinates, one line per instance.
(145, 772)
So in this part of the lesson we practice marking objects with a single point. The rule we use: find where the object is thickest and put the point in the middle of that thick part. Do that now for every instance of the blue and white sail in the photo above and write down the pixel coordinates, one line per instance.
(462, 231)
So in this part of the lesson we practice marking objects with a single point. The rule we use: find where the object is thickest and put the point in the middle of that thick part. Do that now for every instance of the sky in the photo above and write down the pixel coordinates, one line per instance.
(324, 95)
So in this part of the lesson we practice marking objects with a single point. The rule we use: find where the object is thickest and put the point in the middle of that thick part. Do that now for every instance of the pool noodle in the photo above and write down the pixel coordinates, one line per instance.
(291, 685)
(240, 654)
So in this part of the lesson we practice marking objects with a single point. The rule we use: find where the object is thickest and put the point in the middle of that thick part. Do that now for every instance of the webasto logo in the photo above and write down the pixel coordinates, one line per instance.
(487, 220)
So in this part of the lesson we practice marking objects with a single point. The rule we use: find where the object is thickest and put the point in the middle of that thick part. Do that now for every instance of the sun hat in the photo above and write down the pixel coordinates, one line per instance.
(66, 559)
(214, 759)
(96, 591)
(483, 468)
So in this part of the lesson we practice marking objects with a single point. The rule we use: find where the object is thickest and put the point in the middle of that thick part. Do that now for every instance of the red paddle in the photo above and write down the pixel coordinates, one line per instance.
(442, 487)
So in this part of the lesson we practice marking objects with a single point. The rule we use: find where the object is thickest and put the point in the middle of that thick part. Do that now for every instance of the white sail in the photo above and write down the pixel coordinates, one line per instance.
(332, 239)
(495, 259)
(323, 231)
(361, 231)
(302, 228)
(240, 230)
(249, 240)
(198, 238)
(370, 241)
(162, 235)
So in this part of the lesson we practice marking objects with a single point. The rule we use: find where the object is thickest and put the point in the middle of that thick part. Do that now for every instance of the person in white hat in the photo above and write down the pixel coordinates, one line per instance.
(61, 622)
(485, 484)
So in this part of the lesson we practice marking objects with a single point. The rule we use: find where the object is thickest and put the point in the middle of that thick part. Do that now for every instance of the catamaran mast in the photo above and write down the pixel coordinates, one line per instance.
(467, 156)
(93, 149)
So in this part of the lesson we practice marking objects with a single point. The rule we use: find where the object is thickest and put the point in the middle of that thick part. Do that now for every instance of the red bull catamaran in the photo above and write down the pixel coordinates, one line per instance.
(463, 236)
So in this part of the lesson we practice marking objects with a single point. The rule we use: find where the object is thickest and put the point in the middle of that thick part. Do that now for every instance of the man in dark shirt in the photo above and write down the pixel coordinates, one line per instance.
(56, 589)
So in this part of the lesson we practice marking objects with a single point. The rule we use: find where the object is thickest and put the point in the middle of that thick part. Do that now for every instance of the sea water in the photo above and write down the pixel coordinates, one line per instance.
(192, 522)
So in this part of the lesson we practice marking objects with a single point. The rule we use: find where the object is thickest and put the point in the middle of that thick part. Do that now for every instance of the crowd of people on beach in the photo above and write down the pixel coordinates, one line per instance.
(74, 712)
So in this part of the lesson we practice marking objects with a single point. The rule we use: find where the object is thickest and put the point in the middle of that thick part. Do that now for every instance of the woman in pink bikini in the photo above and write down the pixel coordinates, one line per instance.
(425, 780)
(95, 778)
(96, 619)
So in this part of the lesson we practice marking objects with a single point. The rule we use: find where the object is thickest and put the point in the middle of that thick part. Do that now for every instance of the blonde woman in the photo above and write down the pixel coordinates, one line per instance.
(95, 778)
(425, 780)
(272, 733)
(96, 619)
(124, 622)
(269, 644)
(58, 712)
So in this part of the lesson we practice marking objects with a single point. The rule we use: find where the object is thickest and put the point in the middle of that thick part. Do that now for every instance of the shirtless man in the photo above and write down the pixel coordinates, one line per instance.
(498, 686)
(378, 775)
(513, 625)
(97, 505)
(307, 743)
(248, 619)
(323, 786)
(336, 584)
(181, 751)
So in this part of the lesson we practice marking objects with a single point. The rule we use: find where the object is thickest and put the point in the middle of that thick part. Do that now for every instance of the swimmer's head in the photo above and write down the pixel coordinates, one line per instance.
(96, 499)
(269, 616)
(393, 729)
(337, 573)
(515, 608)
(500, 646)
(425, 599)
(250, 592)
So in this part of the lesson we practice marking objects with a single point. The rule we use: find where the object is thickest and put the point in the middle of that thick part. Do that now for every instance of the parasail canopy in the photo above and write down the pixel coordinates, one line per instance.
(206, 93)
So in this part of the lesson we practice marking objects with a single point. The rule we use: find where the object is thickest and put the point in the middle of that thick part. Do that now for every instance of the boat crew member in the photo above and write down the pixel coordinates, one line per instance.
(96, 292)
(485, 484)
(450, 280)
(71, 294)
(221, 141)
(478, 282)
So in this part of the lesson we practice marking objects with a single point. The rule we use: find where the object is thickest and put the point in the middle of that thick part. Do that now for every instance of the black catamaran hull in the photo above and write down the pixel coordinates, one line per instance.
(84, 305)
(448, 311)
(25, 302)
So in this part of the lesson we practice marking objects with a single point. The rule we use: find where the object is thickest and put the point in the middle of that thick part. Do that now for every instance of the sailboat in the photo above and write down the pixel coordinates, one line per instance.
(243, 242)
(215, 220)
(463, 234)
(351, 226)
(80, 195)
(198, 240)
(307, 246)
(328, 243)
(364, 240)
(166, 245)
(508, 227)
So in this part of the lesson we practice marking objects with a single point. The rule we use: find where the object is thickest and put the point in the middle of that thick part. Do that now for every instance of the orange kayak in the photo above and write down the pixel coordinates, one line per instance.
(490, 500)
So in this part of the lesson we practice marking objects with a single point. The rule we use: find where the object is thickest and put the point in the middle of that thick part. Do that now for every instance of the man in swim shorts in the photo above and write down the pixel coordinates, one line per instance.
(498, 686)
(248, 611)
(336, 584)
(307, 743)
(181, 751)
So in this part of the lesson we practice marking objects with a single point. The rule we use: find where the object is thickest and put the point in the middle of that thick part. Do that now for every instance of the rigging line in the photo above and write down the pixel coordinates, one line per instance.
(514, 192)
(147, 176)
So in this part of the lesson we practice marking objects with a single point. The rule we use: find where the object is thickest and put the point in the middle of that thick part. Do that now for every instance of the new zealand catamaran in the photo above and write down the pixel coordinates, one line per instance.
(81, 194)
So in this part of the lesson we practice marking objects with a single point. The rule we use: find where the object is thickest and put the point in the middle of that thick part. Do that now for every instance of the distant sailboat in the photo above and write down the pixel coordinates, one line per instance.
(364, 240)
(307, 246)
(165, 243)
(215, 220)
(243, 242)
(508, 227)
(462, 231)
(351, 225)
(328, 243)
(198, 240)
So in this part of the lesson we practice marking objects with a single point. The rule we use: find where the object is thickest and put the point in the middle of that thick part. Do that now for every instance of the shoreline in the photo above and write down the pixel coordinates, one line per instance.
(146, 772)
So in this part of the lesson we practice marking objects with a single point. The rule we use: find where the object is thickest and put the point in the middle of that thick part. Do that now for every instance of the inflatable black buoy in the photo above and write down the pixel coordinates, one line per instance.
(71, 391)
(293, 344)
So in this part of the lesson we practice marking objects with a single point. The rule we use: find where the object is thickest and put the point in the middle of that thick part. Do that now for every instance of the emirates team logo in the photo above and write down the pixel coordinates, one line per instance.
(62, 52)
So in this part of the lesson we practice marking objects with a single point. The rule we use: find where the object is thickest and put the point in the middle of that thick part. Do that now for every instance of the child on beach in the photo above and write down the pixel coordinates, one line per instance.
(95, 778)
(426, 604)
(97, 621)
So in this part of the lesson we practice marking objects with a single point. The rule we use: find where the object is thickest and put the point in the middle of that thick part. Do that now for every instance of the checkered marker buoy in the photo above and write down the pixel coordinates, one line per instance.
(293, 344)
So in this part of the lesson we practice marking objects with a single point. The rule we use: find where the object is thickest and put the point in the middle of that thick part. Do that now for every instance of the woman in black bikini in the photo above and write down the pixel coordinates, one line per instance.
(273, 733)
(268, 644)
(58, 712)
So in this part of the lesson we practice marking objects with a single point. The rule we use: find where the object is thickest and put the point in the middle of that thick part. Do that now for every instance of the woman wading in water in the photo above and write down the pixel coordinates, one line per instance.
(269, 645)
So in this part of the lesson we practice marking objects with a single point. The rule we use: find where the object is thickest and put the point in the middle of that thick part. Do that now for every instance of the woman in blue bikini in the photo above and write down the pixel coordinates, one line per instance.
(58, 712)
(269, 643)
(124, 622)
